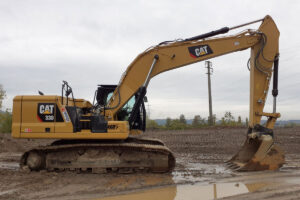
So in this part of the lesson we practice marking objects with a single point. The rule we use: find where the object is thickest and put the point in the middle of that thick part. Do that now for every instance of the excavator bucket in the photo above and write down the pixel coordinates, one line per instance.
(258, 153)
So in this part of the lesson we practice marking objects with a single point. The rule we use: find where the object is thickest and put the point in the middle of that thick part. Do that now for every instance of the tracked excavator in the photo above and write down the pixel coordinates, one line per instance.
(99, 137)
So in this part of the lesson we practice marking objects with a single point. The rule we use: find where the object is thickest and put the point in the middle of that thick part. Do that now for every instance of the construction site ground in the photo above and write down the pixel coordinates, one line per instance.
(200, 172)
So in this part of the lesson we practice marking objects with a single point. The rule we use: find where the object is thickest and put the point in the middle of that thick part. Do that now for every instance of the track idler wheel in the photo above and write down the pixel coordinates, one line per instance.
(35, 160)
(258, 152)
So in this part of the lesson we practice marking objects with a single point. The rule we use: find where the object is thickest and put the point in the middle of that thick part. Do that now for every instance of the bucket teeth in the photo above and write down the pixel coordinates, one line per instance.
(229, 165)
(234, 166)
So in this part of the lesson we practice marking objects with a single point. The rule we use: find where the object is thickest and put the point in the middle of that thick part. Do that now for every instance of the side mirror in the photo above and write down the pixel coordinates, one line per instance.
(145, 99)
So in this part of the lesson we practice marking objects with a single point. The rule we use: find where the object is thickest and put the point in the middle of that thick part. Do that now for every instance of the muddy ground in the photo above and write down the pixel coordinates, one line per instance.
(200, 158)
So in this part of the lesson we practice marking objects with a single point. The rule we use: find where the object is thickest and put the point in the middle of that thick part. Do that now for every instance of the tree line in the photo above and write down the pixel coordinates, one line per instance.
(5, 117)
(198, 122)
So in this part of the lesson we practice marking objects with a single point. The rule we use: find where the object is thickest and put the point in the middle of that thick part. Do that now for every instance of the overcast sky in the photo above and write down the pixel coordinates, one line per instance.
(92, 42)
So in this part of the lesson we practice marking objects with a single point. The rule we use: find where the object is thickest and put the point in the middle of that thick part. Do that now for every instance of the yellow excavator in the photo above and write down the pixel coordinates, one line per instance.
(98, 136)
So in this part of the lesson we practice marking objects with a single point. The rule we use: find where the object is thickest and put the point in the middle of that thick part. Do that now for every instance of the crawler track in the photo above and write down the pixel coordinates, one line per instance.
(129, 156)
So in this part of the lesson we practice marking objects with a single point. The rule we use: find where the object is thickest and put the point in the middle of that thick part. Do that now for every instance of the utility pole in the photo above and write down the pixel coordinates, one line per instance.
(209, 72)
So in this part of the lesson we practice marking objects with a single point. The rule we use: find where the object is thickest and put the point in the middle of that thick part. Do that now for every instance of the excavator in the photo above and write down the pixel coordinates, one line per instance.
(100, 137)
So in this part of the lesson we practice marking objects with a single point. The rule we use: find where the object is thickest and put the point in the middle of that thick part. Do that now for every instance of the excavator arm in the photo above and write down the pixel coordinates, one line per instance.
(174, 54)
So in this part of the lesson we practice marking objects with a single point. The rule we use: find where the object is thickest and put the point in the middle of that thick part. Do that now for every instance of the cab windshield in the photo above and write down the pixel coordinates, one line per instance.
(125, 112)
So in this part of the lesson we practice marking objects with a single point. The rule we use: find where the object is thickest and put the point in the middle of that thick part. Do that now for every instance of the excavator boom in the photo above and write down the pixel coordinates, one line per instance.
(174, 54)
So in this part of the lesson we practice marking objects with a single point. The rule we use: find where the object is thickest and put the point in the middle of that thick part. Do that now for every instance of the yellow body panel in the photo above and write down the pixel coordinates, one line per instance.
(27, 125)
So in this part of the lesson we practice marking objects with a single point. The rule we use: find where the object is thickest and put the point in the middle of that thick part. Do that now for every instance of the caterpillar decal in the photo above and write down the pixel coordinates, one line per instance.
(45, 112)
(199, 51)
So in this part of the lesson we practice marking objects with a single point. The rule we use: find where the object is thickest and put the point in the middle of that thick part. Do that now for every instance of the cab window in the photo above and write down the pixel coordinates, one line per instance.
(125, 112)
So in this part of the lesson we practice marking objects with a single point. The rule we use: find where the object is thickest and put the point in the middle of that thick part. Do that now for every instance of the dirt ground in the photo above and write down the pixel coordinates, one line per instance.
(200, 156)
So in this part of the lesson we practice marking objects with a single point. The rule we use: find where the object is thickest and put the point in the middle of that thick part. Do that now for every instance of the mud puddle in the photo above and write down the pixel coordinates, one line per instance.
(197, 191)
(212, 187)
(9, 160)
(208, 169)
(199, 172)
(7, 192)
(9, 165)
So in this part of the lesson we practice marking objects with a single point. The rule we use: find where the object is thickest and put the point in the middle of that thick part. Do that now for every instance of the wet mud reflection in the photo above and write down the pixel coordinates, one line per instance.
(191, 192)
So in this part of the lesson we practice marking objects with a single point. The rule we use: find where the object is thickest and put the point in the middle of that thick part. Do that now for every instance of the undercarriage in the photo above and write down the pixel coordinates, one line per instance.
(95, 156)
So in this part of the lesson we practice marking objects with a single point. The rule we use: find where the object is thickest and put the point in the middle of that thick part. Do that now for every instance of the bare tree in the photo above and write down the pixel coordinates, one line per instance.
(2, 95)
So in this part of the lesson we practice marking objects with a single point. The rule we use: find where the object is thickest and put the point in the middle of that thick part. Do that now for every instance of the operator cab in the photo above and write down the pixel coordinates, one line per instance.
(93, 119)
(103, 95)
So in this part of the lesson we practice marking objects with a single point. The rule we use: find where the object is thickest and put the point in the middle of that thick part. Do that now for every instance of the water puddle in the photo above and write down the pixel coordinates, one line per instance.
(208, 169)
(9, 160)
(7, 192)
(295, 181)
(191, 192)
(200, 172)
(9, 165)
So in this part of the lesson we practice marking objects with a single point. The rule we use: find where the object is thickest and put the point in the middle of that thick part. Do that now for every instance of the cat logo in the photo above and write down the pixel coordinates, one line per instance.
(46, 109)
(199, 51)
(45, 112)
